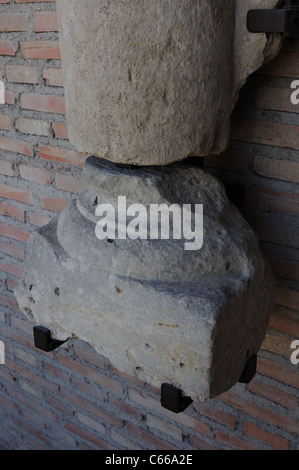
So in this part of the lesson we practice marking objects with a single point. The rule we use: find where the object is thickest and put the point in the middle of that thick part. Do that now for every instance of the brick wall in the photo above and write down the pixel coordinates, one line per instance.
(73, 398)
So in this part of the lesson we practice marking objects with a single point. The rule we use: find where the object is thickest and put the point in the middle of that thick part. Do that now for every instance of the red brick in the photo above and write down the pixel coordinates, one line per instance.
(64, 438)
(32, 405)
(60, 130)
(274, 394)
(16, 194)
(92, 408)
(268, 438)
(148, 402)
(91, 374)
(9, 98)
(277, 169)
(32, 377)
(124, 442)
(280, 373)
(45, 21)
(10, 22)
(9, 404)
(200, 444)
(12, 211)
(12, 250)
(53, 204)
(6, 122)
(43, 103)
(7, 48)
(78, 431)
(54, 371)
(130, 378)
(6, 168)
(16, 146)
(22, 325)
(32, 126)
(276, 233)
(10, 303)
(281, 321)
(273, 201)
(40, 50)
(234, 442)
(275, 98)
(38, 220)
(58, 154)
(13, 232)
(92, 357)
(35, 175)
(31, 429)
(6, 376)
(91, 423)
(70, 183)
(89, 390)
(53, 76)
(155, 423)
(215, 414)
(148, 438)
(59, 405)
(266, 133)
(277, 344)
(30, 415)
(34, 444)
(286, 64)
(11, 284)
(285, 268)
(12, 335)
(125, 408)
(35, 1)
(260, 413)
(21, 74)
(287, 297)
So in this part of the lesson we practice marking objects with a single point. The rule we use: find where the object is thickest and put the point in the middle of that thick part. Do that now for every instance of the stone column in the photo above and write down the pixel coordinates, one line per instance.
(149, 83)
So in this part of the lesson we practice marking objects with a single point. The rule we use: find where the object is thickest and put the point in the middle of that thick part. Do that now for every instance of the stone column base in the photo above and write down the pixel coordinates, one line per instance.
(155, 310)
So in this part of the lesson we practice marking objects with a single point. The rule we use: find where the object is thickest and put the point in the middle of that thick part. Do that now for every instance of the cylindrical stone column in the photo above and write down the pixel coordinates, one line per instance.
(147, 82)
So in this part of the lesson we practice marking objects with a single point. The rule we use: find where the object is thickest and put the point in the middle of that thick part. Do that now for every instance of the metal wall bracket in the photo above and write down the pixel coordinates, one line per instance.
(173, 400)
(249, 370)
(43, 340)
(235, 193)
(281, 20)
(197, 161)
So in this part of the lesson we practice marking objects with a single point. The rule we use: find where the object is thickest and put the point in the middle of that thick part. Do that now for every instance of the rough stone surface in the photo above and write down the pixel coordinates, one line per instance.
(153, 309)
(252, 50)
(152, 82)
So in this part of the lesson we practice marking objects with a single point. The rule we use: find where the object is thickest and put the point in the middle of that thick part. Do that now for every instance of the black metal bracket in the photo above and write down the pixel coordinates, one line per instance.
(249, 370)
(235, 193)
(196, 161)
(283, 20)
(173, 400)
(43, 340)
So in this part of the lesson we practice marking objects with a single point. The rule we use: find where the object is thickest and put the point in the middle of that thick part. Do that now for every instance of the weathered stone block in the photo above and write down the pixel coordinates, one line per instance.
(150, 82)
(190, 318)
